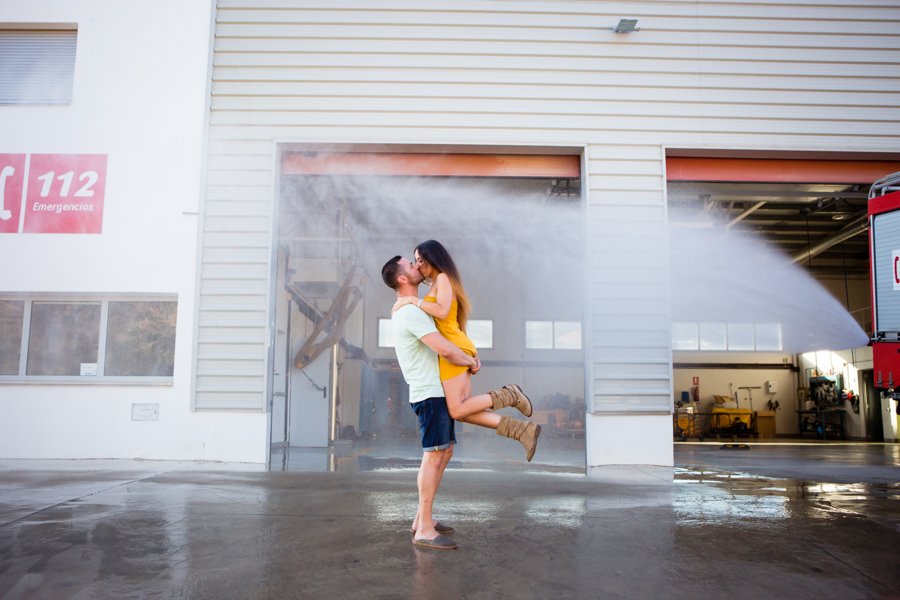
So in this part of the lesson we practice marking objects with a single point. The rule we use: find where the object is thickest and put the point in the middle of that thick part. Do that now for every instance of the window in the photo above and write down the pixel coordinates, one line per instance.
(538, 334)
(567, 335)
(481, 332)
(37, 66)
(140, 339)
(64, 338)
(740, 336)
(712, 336)
(768, 336)
(11, 315)
(684, 336)
(735, 337)
(559, 335)
(90, 339)
(385, 333)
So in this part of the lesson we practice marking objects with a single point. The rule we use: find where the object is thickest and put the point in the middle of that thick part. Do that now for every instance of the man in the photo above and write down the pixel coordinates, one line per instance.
(418, 345)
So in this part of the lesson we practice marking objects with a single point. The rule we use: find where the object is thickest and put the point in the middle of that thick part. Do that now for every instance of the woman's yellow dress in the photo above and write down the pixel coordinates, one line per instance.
(449, 328)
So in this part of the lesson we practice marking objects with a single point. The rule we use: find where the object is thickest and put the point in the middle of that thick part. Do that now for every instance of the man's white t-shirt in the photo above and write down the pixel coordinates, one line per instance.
(418, 362)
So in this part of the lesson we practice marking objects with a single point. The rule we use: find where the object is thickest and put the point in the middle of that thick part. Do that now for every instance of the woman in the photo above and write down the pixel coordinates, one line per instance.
(448, 304)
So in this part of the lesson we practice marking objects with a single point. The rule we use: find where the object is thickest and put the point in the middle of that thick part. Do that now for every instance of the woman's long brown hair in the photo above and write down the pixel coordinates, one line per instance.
(434, 253)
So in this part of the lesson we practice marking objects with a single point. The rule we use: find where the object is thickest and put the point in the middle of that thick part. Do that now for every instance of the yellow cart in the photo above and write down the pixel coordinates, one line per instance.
(685, 425)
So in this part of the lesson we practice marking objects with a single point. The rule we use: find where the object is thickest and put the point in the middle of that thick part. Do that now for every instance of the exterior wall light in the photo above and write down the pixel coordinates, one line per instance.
(626, 26)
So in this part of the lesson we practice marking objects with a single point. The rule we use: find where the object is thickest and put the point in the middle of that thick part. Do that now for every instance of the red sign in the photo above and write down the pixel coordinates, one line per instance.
(63, 193)
(696, 381)
(12, 178)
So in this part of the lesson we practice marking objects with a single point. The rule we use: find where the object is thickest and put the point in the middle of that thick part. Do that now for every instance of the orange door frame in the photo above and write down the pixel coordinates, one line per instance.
(778, 170)
(431, 165)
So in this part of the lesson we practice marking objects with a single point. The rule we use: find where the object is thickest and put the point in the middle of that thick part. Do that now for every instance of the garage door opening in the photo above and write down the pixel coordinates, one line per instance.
(772, 309)
(339, 399)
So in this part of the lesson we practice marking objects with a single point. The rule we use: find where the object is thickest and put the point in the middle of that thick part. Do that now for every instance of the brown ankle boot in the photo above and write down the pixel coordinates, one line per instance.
(526, 432)
(511, 395)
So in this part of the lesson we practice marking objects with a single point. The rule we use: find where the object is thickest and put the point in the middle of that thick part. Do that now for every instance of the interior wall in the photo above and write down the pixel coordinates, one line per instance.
(724, 382)
(859, 290)
(848, 363)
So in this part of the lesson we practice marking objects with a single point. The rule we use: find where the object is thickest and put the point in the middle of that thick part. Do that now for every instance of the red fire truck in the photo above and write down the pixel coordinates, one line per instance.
(884, 255)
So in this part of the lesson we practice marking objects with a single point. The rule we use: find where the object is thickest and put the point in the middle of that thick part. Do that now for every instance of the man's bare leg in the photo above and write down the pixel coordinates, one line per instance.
(448, 453)
(428, 480)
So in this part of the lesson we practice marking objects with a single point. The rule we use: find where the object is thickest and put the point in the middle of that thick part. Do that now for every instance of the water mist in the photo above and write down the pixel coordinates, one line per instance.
(518, 244)
(722, 277)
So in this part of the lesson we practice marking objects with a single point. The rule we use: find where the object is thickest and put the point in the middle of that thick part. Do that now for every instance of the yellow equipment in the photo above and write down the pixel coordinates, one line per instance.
(727, 417)
(733, 421)
(685, 425)
(686, 422)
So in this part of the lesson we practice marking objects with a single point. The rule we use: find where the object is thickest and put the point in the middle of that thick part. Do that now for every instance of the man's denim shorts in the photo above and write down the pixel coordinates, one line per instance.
(437, 428)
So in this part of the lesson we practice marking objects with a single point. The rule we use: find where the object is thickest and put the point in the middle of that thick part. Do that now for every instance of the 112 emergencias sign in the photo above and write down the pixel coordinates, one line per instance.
(52, 193)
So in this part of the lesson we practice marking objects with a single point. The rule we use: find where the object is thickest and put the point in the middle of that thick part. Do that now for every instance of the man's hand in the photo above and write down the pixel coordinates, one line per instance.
(476, 367)
(403, 301)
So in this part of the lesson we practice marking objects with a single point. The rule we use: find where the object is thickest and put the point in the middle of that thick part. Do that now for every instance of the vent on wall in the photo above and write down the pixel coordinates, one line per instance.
(37, 66)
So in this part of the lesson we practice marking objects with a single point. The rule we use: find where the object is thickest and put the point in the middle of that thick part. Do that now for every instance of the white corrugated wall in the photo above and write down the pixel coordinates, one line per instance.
(741, 74)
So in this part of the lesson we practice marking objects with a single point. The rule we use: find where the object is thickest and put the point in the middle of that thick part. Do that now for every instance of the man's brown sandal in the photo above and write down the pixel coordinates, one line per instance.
(440, 528)
(438, 543)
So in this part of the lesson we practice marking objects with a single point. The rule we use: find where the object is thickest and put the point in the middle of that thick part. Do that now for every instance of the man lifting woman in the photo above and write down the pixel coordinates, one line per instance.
(438, 360)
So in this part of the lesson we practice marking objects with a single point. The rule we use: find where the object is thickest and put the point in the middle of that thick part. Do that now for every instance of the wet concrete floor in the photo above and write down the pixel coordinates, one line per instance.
(834, 462)
(147, 529)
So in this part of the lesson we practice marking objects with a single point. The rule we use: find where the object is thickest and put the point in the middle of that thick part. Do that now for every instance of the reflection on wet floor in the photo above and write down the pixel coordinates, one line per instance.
(833, 462)
(135, 529)
(744, 495)
(556, 455)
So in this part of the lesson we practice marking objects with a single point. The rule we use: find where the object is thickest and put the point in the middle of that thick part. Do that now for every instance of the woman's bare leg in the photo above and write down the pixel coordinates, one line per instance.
(459, 404)
(466, 408)
(485, 418)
